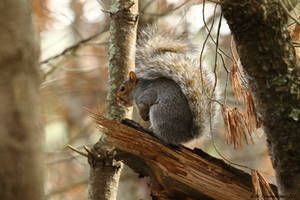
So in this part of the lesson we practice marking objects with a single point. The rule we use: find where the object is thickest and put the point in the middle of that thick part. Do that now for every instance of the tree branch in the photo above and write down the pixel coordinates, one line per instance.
(75, 46)
(176, 172)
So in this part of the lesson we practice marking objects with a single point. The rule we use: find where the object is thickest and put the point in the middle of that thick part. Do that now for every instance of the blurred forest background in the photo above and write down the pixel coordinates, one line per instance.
(74, 57)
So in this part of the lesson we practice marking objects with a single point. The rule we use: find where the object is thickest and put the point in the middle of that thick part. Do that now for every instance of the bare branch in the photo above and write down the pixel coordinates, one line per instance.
(77, 151)
(175, 170)
(74, 47)
(65, 188)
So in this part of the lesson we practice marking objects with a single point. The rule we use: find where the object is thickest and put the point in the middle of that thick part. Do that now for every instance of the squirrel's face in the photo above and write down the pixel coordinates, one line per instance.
(125, 92)
(124, 95)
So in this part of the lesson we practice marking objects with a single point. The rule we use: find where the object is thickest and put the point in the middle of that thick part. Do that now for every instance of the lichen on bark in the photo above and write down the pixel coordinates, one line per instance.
(268, 58)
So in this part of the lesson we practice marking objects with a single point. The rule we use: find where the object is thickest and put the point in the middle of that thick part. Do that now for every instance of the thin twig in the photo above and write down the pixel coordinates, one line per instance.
(167, 12)
(71, 48)
(77, 151)
(211, 37)
(214, 1)
(288, 13)
(216, 55)
(225, 89)
(201, 54)
(65, 188)
(66, 159)
(87, 149)
(205, 41)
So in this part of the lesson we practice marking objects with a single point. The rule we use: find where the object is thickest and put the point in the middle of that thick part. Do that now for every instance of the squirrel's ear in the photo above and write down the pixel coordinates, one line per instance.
(132, 76)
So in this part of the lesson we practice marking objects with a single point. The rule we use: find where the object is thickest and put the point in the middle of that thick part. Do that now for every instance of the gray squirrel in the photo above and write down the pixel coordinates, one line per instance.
(168, 89)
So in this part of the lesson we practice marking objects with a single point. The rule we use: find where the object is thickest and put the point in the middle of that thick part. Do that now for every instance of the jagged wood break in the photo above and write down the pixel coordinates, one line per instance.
(176, 173)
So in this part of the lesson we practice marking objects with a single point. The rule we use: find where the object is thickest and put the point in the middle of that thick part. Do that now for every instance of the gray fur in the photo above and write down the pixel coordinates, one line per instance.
(167, 109)
(163, 55)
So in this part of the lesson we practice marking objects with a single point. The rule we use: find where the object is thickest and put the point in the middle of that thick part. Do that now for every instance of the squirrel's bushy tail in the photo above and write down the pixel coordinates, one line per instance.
(154, 41)
(165, 54)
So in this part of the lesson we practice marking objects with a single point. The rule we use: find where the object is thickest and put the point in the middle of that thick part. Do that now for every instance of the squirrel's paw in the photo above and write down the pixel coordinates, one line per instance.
(135, 125)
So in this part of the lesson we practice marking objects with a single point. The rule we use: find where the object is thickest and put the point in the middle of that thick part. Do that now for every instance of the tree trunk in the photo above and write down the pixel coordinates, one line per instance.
(21, 171)
(121, 51)
(267, 55)
(105, 170)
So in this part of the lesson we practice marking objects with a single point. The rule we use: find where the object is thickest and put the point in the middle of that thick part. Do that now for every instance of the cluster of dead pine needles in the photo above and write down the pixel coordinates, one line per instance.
(239, 126)
(261, 187)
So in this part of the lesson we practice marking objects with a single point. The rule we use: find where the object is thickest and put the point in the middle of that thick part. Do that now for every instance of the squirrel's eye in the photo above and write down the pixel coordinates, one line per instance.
(122, 88)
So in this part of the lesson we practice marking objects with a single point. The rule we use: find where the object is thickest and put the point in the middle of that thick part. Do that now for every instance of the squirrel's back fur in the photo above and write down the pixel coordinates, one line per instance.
(161, 54)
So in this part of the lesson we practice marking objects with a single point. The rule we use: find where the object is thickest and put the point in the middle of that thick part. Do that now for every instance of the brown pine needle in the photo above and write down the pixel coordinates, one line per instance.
(266, 186)
(225, 114)
(260, 184)
(237, 127)
(256, 185)
(254, 122)
(240, 126)
(236, 83)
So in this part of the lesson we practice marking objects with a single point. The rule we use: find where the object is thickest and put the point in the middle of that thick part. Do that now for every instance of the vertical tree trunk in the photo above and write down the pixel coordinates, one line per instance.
(121, 51)
(261, 33)
(21, 171)
(105, 171)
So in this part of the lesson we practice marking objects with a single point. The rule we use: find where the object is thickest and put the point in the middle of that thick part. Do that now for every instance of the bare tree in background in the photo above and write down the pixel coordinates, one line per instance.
(21, 171)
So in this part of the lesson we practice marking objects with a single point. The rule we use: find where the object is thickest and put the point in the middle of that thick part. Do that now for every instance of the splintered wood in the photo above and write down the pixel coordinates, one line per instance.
(175, 172)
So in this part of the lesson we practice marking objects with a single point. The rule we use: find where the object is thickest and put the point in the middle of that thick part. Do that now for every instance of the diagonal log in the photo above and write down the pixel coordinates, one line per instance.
(176, 172)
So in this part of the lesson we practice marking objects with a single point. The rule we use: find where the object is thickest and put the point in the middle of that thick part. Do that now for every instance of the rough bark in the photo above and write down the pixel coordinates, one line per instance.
(176, 172)
(267, 55)
(21, 171)
(105, 170)
(104, 175)
(121, 50)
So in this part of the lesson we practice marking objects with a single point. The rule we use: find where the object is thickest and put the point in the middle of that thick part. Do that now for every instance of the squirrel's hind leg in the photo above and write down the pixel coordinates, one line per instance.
(169, 131)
